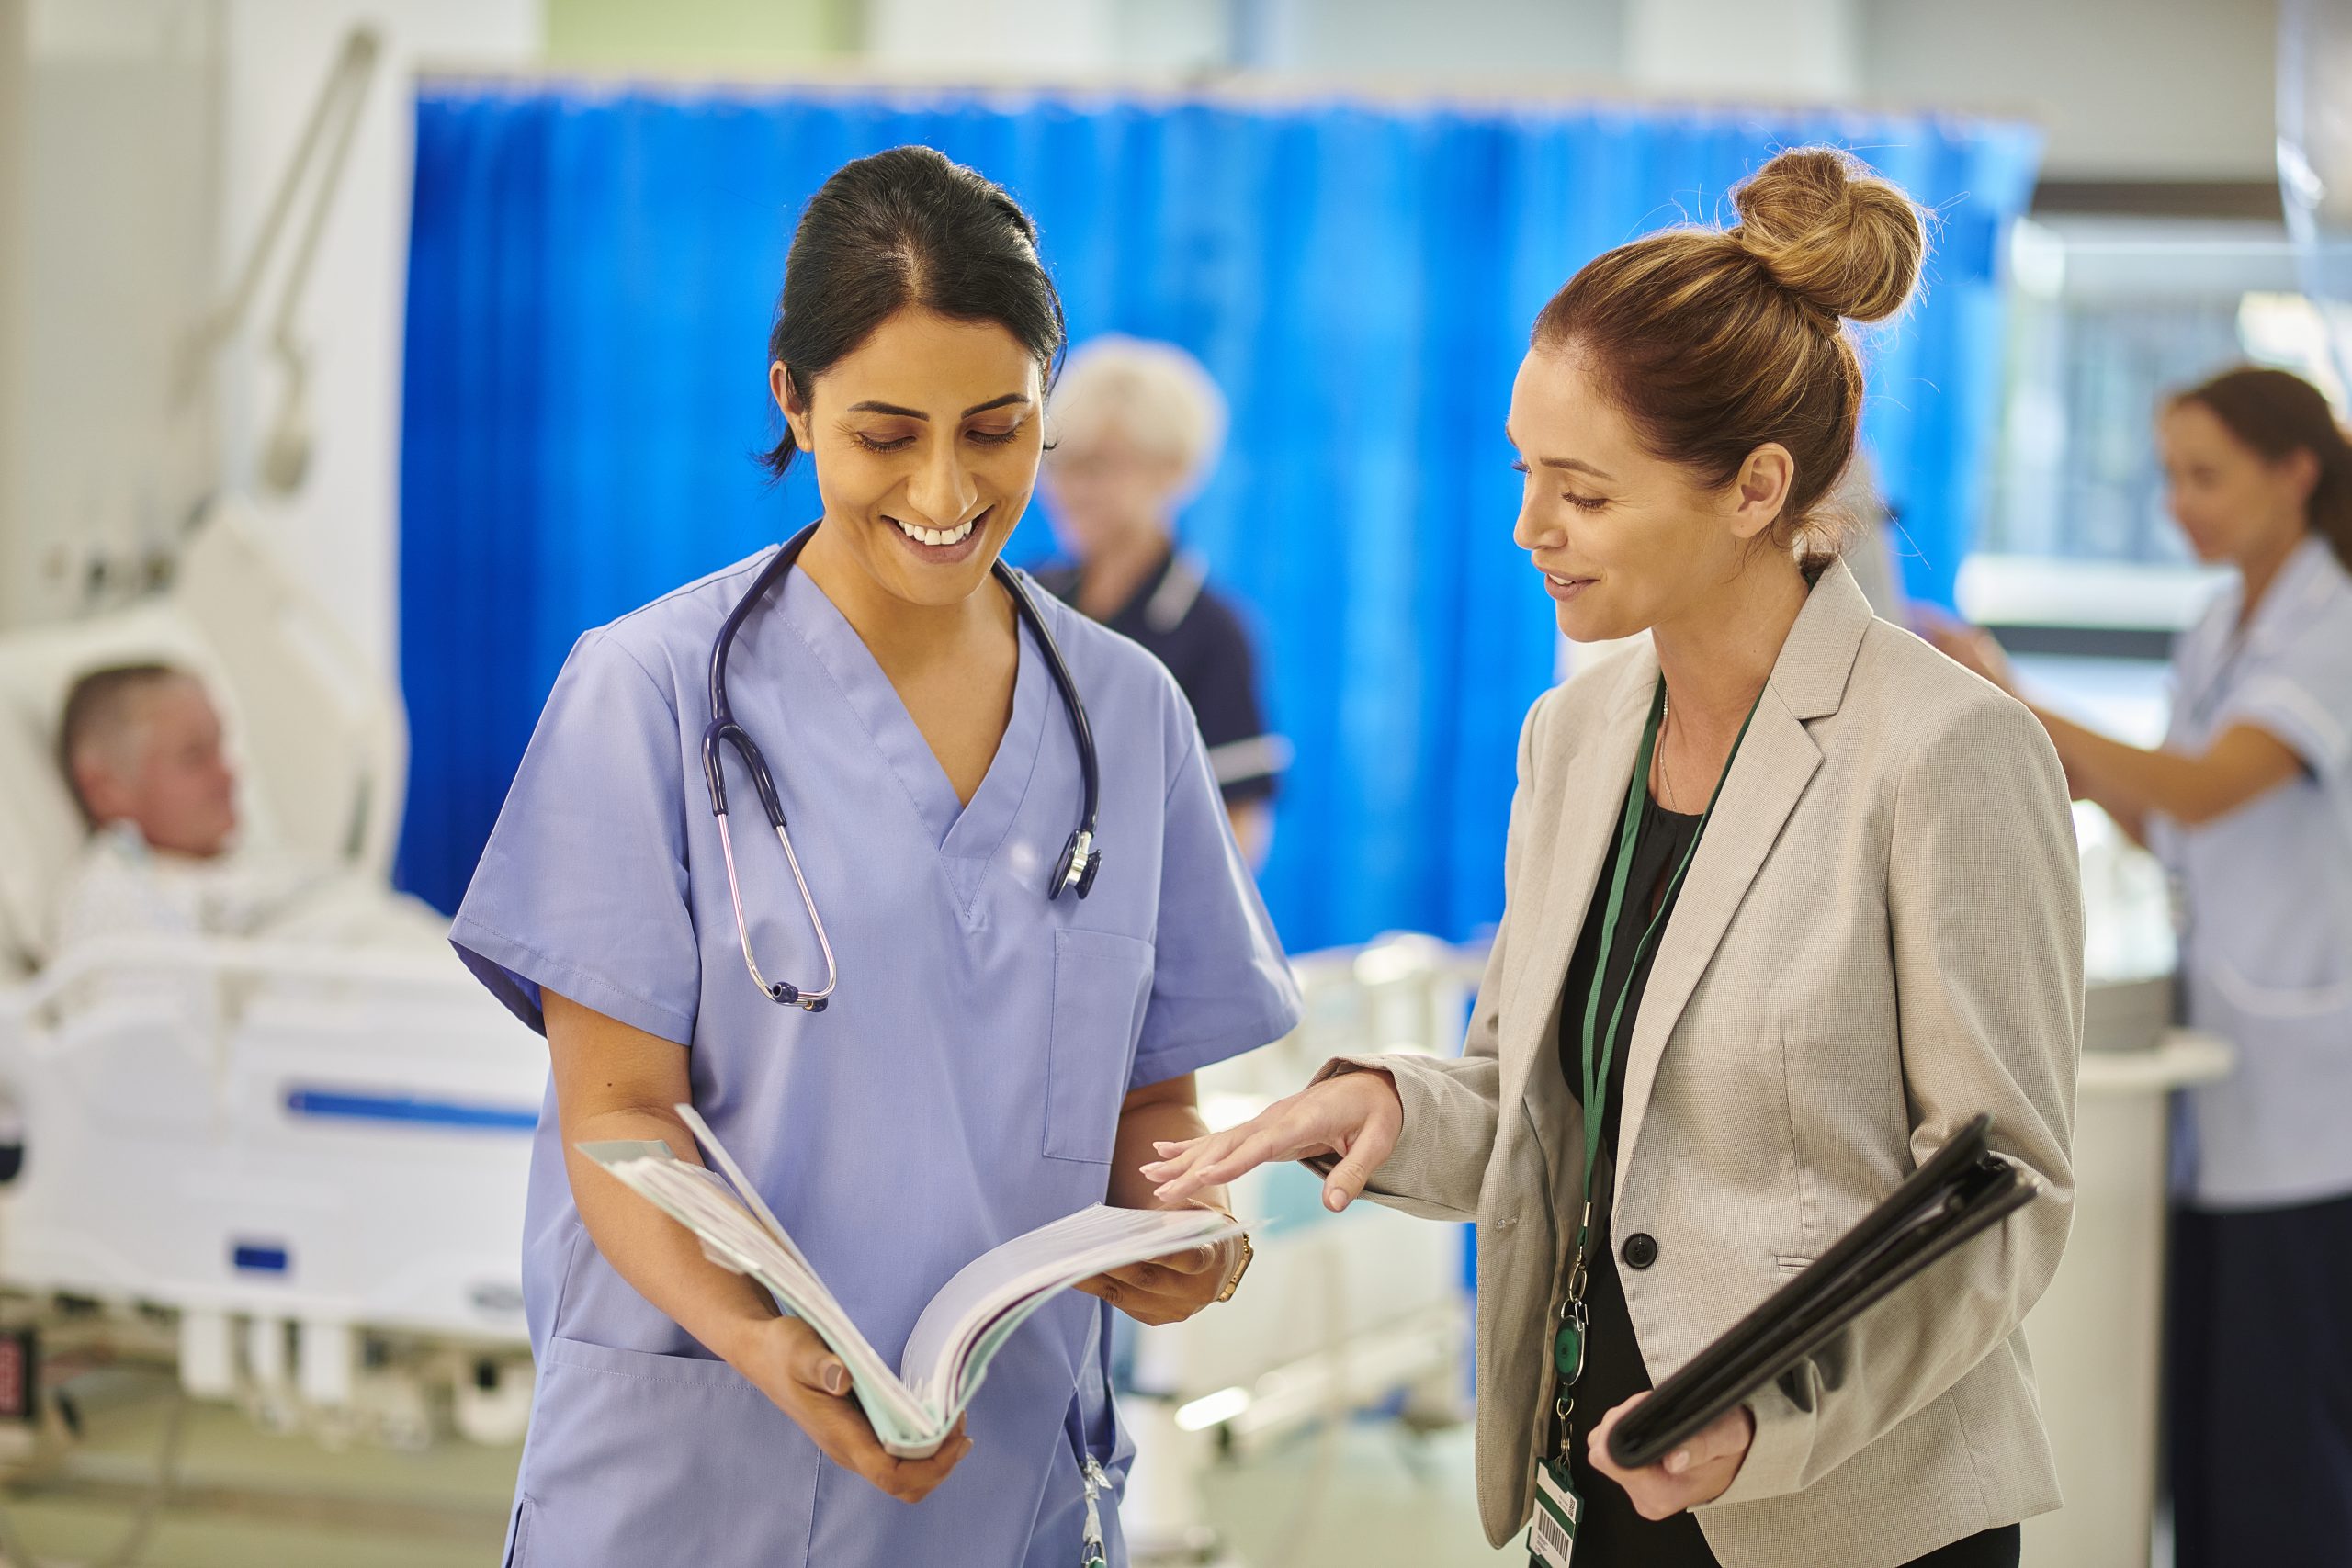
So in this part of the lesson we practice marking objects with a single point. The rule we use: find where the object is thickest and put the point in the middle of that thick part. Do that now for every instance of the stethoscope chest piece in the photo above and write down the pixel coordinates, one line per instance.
(1081, 860)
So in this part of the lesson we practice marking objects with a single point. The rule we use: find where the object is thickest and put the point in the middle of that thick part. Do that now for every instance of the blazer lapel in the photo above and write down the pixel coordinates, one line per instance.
(1584, 808)
(1766, 779)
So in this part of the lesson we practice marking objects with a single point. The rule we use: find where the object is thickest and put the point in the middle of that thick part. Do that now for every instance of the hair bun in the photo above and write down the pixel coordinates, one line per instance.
(1829, 230)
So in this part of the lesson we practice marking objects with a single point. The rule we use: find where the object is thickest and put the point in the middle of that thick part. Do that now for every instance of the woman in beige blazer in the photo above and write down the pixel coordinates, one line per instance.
(1856, 872)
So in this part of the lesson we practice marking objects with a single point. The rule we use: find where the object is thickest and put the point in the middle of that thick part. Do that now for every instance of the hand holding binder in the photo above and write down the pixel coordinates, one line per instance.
(1962, 1190)
(1709, 1463)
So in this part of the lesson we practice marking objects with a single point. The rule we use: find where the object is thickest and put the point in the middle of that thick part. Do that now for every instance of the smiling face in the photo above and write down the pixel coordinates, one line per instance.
(1625, 539)
(2235, 505)
(925, 440)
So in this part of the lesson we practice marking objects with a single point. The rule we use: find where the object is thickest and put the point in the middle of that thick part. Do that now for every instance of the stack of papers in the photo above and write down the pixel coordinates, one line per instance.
(947, 1356)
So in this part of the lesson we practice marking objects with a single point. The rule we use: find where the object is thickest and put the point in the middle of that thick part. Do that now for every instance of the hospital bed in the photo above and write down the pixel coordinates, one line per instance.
(308, 1158)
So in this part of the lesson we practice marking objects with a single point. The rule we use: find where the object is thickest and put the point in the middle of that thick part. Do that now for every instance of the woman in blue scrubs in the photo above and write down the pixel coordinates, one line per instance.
(2249, 805)
(991, 1059)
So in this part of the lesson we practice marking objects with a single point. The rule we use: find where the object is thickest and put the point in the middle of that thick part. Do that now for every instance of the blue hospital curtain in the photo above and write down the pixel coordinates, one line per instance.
(590, 278)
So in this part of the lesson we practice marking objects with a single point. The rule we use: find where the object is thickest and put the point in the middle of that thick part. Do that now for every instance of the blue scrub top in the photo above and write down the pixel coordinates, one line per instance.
(963, 1087)
(2266, 890)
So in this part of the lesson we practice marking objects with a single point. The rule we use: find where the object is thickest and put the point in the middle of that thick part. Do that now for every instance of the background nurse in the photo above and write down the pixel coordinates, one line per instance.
(2249, 803)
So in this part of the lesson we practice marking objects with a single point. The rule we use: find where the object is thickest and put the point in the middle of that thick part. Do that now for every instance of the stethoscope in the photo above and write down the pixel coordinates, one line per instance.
(1081, 860)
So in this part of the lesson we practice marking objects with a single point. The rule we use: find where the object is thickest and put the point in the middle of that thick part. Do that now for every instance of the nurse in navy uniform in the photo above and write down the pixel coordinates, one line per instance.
(1136, 428)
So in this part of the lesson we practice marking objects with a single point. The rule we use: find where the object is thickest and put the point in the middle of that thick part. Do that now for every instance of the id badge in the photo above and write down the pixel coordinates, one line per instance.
(1552, 1538)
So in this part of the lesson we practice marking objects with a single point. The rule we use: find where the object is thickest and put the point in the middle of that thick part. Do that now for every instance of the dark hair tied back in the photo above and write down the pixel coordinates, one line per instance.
(907, 228)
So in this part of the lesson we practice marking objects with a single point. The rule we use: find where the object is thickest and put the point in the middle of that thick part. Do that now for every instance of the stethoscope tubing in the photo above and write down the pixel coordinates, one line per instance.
(1081, 860)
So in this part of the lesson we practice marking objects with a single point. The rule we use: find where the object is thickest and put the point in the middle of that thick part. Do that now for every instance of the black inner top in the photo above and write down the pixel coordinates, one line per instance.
(1611, 1531)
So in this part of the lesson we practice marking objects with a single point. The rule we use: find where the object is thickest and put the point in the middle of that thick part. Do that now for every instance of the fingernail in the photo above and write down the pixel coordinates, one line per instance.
(1334, 1199)
(1677, 1461)
(971, 1443)
(836, 1378)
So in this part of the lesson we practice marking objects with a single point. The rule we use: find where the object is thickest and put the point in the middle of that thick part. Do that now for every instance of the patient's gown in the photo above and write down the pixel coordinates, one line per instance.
(123, 889)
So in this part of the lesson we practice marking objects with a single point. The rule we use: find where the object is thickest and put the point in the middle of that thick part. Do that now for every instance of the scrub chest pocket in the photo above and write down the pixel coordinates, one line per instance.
(1101, 982)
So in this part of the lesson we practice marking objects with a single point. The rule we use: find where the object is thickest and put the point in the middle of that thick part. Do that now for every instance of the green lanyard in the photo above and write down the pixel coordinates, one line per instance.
(1600, 1045)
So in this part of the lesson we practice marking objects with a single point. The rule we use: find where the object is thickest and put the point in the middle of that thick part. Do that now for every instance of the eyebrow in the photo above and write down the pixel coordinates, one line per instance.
(1005, 401)
(1574, 465)
(1571, 464)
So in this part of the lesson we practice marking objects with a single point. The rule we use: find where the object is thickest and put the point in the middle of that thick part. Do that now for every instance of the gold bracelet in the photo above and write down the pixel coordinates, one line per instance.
(1233, 1281)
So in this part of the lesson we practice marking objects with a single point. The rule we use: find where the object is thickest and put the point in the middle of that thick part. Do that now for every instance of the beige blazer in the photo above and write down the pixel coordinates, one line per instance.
(1880, 937)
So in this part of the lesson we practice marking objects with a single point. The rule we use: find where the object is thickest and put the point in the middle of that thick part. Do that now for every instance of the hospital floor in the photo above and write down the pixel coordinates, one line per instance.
(249, 1498)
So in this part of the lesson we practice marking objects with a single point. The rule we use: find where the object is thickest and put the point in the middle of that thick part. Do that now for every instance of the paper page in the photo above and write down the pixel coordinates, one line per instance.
(1001, 1287)
(743, 1187)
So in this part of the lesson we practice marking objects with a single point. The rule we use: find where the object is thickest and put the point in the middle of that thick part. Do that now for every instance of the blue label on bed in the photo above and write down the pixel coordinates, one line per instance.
(259, 1257)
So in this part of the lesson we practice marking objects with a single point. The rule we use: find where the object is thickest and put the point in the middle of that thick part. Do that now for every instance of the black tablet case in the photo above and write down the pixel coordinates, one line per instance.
(1962, 1190)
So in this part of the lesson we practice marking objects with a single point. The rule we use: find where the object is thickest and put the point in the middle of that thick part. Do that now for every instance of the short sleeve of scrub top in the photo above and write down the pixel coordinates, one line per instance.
(2300, 692)
(599, 782)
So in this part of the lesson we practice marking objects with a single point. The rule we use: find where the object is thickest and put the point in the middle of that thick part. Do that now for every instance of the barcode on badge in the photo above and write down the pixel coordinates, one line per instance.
(1551, 1543)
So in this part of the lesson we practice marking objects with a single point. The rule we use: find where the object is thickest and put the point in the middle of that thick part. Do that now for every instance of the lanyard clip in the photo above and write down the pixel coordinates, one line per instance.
(1567, 1344)
(1096, 1556)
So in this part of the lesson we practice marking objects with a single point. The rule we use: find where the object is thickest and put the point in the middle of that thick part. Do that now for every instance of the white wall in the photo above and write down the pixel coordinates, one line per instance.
(342, 529)
(15, 74)
(1518, 41)
(1003, 38)
(106, 214)
(1794, 48)
(2127, 89)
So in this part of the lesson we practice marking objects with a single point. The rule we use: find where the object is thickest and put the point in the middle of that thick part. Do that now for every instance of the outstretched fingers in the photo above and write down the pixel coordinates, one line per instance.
(1177, 1170)
(1225, 1159)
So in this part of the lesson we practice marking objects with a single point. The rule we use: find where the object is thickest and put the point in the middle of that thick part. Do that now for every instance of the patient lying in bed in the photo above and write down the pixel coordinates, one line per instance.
(140, 746)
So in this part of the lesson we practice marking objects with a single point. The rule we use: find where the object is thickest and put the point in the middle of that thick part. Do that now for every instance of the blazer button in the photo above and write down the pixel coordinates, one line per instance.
(1640, 1251)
